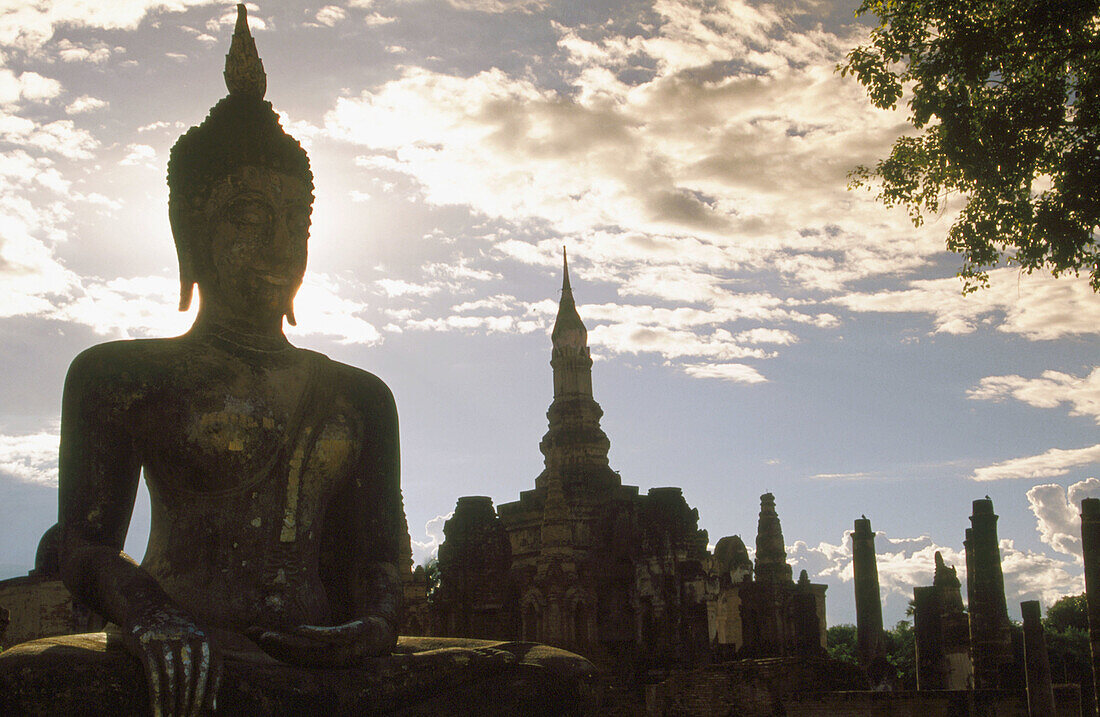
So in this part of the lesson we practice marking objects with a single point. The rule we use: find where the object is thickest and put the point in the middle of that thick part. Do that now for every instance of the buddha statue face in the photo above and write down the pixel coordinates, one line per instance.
(251, 250)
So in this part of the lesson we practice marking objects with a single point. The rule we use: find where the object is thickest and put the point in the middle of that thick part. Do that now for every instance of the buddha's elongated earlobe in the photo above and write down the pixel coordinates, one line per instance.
(290, 314)
(187, 290)
(183, 254)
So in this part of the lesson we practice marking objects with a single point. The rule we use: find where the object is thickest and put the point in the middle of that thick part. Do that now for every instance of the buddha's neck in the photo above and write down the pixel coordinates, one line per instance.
(263, 336)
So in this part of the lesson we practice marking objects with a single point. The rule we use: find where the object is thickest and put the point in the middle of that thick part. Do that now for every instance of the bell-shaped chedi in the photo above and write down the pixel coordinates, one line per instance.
(771, 554)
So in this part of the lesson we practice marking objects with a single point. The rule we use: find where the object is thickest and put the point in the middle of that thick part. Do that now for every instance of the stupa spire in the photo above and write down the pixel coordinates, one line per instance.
(569, 333)
(575, 447)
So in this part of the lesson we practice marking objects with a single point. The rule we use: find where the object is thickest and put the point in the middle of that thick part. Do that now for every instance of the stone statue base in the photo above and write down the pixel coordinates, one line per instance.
(92, 674)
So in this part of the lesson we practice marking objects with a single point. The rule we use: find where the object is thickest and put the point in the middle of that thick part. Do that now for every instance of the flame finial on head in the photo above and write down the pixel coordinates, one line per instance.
(244, 71)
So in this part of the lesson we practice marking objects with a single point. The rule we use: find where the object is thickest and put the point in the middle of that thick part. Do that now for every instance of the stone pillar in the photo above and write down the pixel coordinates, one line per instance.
(1040, 694)
(990, 630)
(868, 599)
(928, 636)
(1090, 546)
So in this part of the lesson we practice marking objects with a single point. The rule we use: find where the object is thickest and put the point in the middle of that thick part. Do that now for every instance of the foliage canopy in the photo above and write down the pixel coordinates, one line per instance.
(1006, 97)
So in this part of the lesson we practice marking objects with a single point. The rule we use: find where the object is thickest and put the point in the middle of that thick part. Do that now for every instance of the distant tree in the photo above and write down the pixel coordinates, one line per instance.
(841, 640)
(1069, 611)
(902, 655)
(431, 572)
(1006, 95)
(1067, 634)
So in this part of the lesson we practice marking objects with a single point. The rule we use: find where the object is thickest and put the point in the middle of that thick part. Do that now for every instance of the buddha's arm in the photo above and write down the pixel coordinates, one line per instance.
(99, 470)
(365, 528)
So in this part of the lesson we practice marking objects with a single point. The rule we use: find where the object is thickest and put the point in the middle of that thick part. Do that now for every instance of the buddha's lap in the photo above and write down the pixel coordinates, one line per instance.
(94, 674)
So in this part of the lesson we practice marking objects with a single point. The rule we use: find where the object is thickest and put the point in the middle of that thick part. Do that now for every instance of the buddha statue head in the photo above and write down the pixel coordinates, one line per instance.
(240, 197)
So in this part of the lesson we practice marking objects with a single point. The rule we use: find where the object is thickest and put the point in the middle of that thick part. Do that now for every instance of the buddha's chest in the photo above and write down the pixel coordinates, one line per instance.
(256, 431)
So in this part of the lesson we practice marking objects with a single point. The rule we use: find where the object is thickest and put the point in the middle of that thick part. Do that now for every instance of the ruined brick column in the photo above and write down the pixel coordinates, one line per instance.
(1090, 546)
(928, 635)
(956, 626)
(869, 638)
(1040, 695)
(771, 554)
(990, 630)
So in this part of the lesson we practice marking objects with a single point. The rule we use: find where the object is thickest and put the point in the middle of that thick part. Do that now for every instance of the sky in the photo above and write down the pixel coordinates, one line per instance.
(756, 325)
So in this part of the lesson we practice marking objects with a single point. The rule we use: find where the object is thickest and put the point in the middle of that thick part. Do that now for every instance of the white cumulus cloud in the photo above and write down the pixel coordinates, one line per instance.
(1050, 390)
(1055, 462)
(1058, 513)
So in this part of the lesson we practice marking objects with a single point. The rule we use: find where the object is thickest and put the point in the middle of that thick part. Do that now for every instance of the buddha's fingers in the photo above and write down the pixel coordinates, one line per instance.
(152, 678)
(169, 686)
(184, 675)
(200, 679)
(215, 681)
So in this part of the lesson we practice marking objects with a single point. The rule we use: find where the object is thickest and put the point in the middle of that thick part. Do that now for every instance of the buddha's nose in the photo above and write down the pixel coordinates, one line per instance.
(280, 239)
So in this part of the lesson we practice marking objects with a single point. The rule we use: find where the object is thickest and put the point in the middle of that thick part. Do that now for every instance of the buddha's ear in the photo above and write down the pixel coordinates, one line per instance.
(290, 314)
(183, 254)
(187, 290)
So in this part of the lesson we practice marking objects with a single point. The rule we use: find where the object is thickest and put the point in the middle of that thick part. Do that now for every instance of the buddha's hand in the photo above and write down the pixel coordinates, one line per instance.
(319, 646)
(182, 667)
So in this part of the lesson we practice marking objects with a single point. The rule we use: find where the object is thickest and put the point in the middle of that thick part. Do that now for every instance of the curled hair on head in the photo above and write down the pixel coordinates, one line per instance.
(239, 132)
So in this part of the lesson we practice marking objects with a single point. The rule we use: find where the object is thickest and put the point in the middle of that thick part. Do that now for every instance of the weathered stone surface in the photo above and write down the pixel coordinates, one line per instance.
(990, 630)
(956, 626)
(932, 666)
(41, 606)
(750, 688)
(869, 634)
(93, 674)
(476, 597)
(1040, 697)
(1090, 549)
(591, 565)
(777, 617)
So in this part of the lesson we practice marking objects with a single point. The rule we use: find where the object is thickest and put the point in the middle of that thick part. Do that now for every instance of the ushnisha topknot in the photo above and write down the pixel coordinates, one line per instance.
(244, 70)
(242, 130)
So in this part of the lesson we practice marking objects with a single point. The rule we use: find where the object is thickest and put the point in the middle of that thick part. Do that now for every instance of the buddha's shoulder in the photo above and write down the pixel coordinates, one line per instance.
(128, 359)
(361, 388)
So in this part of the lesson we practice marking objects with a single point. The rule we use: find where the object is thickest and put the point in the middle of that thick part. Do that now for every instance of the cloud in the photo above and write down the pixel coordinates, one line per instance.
(841, 476)
(324, 308)
(1035, 306)
(29, 26)
(140, 154)
(69, 51)
(329, 15)
(1050, 391)
(499, 6)
(30, 458)
(84, 103)
(28, 86)
(375, 20)
(733, 372)
(135, 307)
(1055, 462)
(400, 287)
(664, 156)
(489, 324)
(767, 336)
(423, 550)
(60, 137)
(1057, 513)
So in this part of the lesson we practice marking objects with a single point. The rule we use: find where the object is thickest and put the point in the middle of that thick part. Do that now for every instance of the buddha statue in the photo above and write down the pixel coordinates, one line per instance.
(277, 516)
